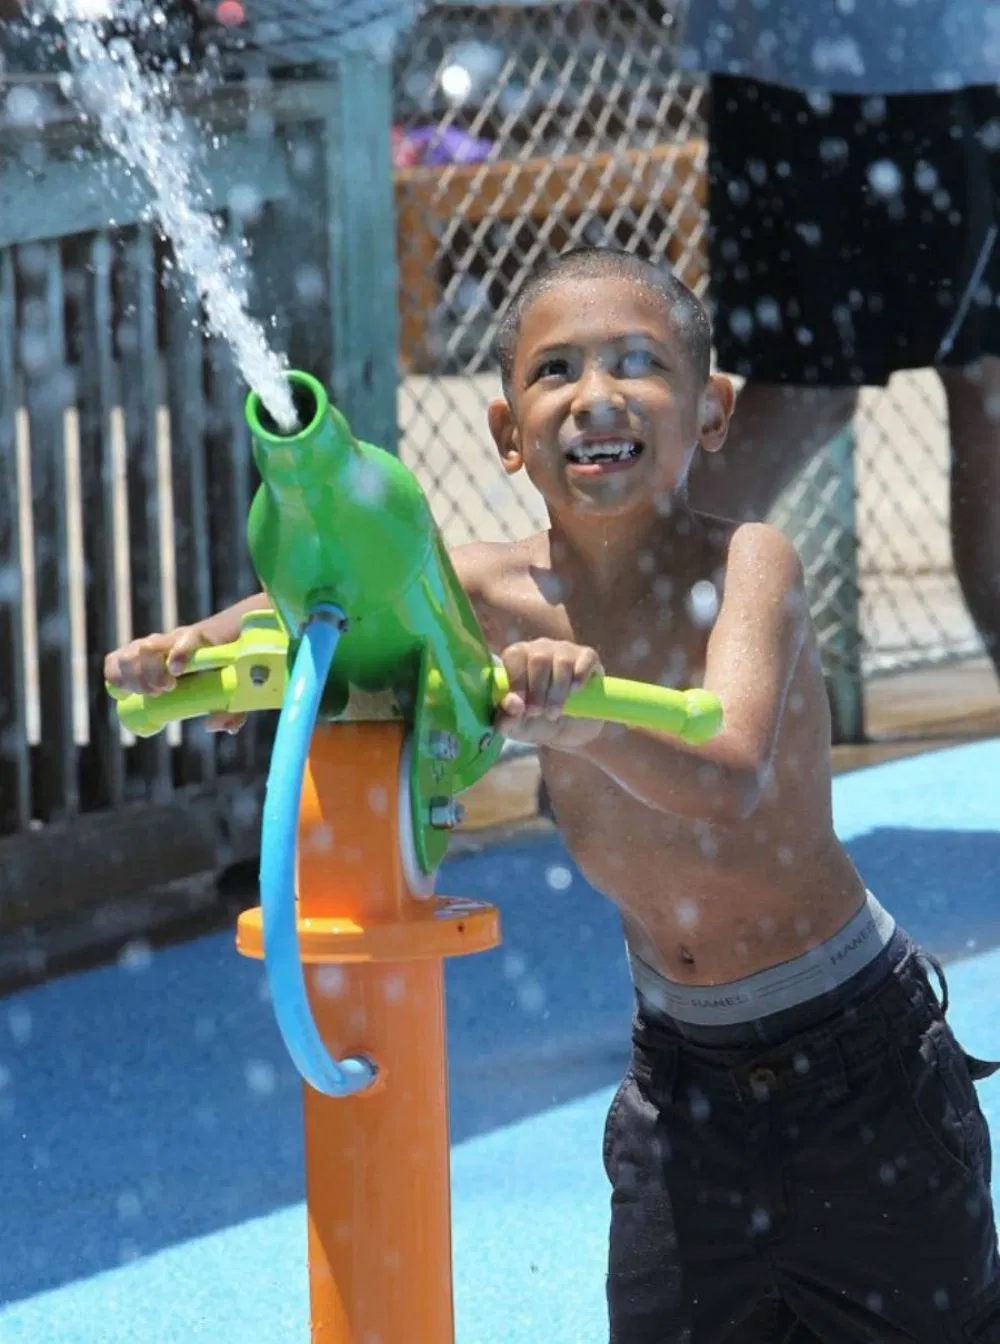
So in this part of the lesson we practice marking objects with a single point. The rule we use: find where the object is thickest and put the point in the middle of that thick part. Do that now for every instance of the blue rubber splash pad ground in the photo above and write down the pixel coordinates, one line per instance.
(131, 1097)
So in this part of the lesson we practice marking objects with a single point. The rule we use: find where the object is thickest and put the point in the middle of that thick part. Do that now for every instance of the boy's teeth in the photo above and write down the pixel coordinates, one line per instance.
(611, 451)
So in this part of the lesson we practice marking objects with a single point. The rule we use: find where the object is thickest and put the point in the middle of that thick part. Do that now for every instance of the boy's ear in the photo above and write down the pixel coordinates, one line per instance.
(506, 435)
(715, 409)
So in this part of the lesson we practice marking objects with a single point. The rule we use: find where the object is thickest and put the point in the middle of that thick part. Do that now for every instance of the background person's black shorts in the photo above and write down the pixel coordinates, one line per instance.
(850, 237)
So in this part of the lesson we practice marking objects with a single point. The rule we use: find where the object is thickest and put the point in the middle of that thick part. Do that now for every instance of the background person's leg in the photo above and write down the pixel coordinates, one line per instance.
(775, 432)
(974, 421)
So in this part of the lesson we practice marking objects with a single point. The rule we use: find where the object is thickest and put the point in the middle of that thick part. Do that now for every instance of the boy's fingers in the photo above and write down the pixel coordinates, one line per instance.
(539, 682)
(515, 664)
(588, 665)
(560, 686)
(186, 642)
(153, 676)
(512, 706)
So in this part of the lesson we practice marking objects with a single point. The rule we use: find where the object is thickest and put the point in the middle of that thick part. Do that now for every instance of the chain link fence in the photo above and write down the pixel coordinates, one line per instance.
(522, 129)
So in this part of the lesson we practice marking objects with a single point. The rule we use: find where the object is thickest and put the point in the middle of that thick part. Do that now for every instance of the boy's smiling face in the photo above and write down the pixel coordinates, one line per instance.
(605, 407)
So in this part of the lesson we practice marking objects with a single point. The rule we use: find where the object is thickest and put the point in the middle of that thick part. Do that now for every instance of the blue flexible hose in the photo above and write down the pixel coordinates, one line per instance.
(279, 834)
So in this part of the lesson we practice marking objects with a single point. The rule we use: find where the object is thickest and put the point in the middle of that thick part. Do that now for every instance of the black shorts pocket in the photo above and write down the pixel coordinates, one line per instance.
(938, 1094)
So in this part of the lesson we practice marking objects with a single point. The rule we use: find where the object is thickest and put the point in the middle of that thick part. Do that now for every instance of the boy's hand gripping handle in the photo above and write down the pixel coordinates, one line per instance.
(251, 673)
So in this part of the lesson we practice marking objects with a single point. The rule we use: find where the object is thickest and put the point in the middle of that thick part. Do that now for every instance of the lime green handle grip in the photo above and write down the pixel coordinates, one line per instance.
(198, 692)
(693, 716)
(236, 678)
(217, 681)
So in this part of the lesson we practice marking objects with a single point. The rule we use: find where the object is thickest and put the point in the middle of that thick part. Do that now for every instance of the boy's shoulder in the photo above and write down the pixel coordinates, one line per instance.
(754, 548)
(484, 566)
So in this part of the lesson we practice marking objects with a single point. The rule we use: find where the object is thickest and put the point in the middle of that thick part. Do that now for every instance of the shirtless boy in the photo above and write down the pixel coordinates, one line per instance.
(796, 1152)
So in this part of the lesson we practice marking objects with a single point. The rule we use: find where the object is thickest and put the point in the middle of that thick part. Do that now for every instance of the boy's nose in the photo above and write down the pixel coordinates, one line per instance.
(598, 398)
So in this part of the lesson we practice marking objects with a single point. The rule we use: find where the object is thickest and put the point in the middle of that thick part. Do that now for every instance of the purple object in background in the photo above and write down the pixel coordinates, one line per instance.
(437, 146)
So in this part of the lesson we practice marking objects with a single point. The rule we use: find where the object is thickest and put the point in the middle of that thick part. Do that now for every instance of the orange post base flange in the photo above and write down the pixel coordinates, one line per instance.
(378, 1190)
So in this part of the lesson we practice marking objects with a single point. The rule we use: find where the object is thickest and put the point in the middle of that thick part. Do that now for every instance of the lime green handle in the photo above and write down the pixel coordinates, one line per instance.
(198, 692)
(249, 674)
(693, 716)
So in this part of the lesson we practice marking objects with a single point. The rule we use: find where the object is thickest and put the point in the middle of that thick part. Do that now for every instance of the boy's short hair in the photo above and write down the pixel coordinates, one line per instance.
(687, 312)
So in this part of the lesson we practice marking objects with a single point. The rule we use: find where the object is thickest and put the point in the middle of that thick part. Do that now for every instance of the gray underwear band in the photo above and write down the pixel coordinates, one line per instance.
(818, 971)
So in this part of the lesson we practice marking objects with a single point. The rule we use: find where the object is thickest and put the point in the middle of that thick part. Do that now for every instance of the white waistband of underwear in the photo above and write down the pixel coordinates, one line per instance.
(818, 971)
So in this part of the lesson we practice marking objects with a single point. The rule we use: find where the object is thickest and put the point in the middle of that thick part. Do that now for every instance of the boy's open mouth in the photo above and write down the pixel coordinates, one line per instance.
(604, 454)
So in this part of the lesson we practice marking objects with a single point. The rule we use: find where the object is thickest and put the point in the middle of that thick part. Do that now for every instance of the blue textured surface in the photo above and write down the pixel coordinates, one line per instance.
(129, 1097)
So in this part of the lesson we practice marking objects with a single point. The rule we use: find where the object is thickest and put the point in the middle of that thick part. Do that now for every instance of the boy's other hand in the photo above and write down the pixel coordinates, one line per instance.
(542, 674)
(151, 666)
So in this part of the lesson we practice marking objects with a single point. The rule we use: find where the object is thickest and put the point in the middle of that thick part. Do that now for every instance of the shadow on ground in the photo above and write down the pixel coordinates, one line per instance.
(131, 1098)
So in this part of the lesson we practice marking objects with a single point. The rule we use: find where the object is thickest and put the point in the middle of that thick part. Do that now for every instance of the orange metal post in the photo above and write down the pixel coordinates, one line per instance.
(377, 1163)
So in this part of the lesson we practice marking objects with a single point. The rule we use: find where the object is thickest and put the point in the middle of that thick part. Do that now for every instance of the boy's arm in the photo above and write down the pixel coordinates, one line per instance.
(224, 626)
(475, 565)
(755, 646)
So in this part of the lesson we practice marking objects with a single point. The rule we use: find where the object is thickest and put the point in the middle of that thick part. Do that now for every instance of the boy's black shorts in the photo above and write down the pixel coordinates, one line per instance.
(850, 237)
(832, 1188)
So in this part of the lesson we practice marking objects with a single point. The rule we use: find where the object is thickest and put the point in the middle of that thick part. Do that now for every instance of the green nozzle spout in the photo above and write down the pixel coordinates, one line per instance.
(338, 520)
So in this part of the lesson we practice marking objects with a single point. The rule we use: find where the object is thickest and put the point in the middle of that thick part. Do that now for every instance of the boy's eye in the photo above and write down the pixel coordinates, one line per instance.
(636, 363)
(556, 367)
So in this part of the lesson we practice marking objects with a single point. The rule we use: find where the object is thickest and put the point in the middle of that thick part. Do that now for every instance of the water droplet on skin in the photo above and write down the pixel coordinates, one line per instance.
(663, 588)
(703, 603)
(687, 913)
